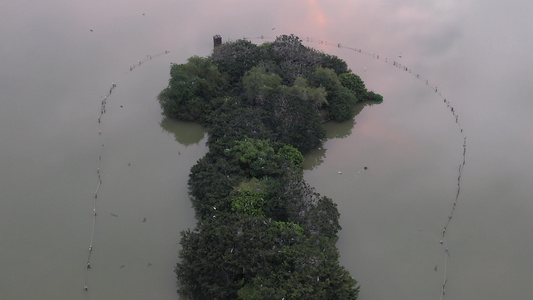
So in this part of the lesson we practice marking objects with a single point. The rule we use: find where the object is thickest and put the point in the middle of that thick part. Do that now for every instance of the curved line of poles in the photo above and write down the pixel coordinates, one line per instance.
(430, 85)
(103, 104)
(376, 56)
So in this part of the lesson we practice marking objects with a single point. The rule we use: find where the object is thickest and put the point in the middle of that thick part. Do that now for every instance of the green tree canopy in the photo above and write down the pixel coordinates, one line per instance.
(192, 88)
(335, 63)
(292, 154)
(262, 231)
(256, 156)
(354, 83)
(234, 59)
(260, 86)
(242, 256)
(341, 100)
(293, 58)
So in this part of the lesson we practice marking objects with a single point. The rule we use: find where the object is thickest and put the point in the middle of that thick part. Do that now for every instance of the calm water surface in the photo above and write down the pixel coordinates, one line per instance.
(55, 72)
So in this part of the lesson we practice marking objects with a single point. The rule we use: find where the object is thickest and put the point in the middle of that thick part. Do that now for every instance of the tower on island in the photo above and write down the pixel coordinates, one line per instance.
(217, 40)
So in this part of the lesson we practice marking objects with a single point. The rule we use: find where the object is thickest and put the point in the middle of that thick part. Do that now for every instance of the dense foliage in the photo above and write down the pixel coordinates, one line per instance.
(262, 232)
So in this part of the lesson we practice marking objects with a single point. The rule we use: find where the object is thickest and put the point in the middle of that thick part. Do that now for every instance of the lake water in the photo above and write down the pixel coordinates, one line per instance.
(59, 59)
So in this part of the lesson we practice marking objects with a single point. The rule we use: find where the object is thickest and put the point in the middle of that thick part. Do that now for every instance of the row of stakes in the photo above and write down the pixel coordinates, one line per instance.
(393, 63)
(399, 65)
(402, 67)
(95, 198)
(103, 105)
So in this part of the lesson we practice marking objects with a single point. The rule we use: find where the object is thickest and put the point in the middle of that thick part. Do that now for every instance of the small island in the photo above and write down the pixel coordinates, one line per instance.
(262, 232)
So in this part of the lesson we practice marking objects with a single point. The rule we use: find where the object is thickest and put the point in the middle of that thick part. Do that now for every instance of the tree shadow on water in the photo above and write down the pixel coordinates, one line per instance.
(334, 130)
(185, 133)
